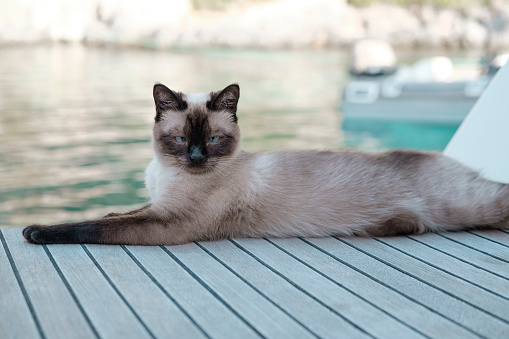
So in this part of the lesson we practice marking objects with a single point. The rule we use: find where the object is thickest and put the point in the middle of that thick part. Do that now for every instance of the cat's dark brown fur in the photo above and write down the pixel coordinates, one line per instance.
(203, 187)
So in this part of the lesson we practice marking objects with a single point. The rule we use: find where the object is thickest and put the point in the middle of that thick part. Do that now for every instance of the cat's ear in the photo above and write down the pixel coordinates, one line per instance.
(165, 99)
(226, 100)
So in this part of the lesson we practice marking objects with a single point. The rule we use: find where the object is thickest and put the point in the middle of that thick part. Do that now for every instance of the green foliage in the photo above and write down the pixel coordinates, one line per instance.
(436, 3)
(458, 4)
(221, 4)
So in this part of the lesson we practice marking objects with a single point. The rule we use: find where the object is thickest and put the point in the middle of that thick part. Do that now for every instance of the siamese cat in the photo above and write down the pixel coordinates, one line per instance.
(203, 187)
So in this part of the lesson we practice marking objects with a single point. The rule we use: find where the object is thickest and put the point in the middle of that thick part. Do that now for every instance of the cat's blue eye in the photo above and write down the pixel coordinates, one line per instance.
(180, 139)
(213, 140)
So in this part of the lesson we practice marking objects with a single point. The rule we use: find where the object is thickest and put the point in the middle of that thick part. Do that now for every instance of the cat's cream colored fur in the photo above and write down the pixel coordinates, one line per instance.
(285, 194)
(281, 194)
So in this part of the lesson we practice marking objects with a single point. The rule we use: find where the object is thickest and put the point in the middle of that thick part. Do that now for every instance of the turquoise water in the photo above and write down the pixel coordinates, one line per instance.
(75, 122)
(389, 134)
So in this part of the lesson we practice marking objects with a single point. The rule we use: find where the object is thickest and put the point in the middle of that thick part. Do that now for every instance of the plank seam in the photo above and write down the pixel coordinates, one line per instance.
(255, 289)
(475, 249)
(22, 286)
(161, 287)
(441, 269)
(494, 241)
(117, 290)
(71, 292)
(346, 288)
(211, 291)
(301, 289)
(425, 282)
(458, 258)
(391, 288)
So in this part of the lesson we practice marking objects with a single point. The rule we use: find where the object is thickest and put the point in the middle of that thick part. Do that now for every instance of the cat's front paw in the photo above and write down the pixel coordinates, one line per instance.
(36, 234)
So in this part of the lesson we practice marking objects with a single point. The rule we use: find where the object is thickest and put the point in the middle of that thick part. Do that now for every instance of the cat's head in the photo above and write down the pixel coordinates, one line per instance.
(196, 130)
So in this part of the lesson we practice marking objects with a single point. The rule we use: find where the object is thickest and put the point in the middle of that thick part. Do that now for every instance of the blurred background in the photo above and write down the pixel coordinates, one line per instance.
(76, 77)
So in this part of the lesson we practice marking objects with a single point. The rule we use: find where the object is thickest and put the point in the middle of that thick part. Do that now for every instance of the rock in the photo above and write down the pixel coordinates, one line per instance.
(348, 27)
(135, 22)
(284, 23)
(445, 29)
(474, 35)
(268, 24)
(32, 20)
(121, 21)
(392, 23)
(498, 27)
(478, 13)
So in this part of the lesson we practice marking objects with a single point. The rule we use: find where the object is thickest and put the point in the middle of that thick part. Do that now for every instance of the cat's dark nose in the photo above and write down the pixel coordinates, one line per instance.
(196, 155)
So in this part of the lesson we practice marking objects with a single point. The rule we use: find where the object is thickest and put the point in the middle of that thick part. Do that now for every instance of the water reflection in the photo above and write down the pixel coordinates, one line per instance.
(75, 122)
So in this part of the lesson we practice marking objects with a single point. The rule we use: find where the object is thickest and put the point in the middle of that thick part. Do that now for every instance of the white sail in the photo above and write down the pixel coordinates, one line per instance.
(482, 140)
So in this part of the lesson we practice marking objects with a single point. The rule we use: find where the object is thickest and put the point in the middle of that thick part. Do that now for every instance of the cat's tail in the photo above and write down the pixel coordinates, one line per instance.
(481, 143)
(481, 205)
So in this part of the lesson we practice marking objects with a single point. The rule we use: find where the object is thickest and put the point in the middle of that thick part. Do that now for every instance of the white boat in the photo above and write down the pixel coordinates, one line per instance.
(429, 91)
(383, 98)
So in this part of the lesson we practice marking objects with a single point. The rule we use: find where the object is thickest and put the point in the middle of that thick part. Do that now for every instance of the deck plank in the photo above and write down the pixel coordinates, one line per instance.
(492, 284)
(16, 320)
(400, 307)
(446, 305)
(453, 285)
(112, 319)
(498, 236)
(269, 320)
(467, 255)
(217, 320)
(52, 302)
(295, 302)
(485, 301)
(356, 310)
(480, 244)
(161, 314)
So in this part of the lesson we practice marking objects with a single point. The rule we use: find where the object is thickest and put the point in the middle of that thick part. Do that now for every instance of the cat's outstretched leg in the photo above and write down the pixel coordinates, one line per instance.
(140, 227)
(113, 214)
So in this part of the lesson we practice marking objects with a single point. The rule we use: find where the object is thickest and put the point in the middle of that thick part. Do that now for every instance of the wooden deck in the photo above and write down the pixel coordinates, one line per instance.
(453, 285)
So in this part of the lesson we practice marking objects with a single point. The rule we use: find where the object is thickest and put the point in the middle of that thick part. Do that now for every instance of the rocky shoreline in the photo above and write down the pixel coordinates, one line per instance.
(269, 24)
